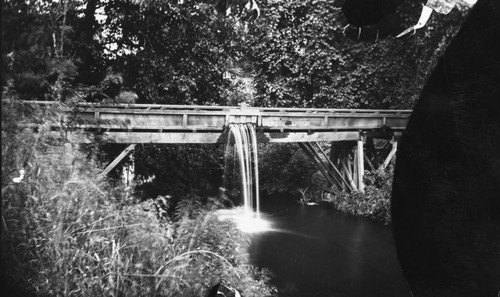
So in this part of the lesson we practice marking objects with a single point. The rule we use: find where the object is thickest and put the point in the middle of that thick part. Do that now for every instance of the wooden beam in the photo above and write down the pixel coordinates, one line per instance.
(391, 154)
(207, 137)
(118, 159)
(367, 160)
(309, 137)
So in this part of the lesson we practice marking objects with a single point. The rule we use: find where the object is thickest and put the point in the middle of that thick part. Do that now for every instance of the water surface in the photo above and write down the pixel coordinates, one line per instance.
(320, 252)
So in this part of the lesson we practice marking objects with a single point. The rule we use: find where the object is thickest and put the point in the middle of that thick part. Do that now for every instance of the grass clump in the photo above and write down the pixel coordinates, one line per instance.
(67, 232)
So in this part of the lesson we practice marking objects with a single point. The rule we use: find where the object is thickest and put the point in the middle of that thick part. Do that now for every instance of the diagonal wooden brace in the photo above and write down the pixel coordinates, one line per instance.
(391, 153)
(118, 159)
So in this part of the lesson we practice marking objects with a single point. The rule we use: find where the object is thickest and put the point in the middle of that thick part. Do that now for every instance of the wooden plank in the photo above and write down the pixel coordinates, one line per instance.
(118, 159)
(207, 124)
(276, 137)
(199, 137)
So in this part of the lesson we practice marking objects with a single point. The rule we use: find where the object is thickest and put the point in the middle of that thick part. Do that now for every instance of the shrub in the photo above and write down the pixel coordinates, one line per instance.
(374, 203)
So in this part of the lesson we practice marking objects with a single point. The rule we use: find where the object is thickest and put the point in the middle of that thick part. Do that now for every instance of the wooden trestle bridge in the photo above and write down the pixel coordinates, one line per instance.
(360, 138)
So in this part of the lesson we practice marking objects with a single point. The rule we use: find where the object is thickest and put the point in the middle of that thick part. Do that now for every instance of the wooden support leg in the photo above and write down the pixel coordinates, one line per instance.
(118, 159)
(355, 166)
(360, 166)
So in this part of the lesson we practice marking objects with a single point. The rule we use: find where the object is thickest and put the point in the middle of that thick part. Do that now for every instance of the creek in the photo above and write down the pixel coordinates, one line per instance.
(317, 251)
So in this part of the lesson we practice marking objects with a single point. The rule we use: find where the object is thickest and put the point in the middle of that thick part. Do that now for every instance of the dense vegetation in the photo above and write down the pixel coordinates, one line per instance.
(68, 232)
(374, 203)
(299, 52)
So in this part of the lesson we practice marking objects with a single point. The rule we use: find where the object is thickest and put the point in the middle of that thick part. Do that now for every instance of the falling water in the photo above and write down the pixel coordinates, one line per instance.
(245, 142)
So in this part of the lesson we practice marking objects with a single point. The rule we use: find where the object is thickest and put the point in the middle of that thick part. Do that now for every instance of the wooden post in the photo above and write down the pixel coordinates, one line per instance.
(118, 159)
(360, 165)
(355, 166)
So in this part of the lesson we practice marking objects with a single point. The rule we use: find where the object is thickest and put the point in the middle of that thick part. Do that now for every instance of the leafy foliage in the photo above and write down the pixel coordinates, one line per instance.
(306, 56)
(284, 168)
(374, 203)
(42, 46)
(171, 53)
(180, 169)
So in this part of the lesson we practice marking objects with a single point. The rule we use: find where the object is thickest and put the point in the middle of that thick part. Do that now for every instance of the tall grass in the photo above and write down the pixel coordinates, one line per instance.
(67, 232)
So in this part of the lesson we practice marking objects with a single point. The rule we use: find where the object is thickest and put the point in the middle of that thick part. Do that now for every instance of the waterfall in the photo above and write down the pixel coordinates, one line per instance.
(245, 142)
(242, 141)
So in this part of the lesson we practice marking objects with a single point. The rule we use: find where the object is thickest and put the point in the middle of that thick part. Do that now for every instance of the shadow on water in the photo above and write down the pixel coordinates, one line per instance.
(316, 251)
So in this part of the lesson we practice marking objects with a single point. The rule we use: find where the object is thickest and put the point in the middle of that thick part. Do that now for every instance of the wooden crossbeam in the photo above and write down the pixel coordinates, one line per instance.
(208, 137)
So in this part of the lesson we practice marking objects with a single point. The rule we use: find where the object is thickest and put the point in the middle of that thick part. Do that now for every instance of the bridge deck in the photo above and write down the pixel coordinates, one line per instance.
(153, 123)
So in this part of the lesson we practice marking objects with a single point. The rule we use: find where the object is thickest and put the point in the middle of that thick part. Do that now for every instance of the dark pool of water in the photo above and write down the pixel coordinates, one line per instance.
(320, 252)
